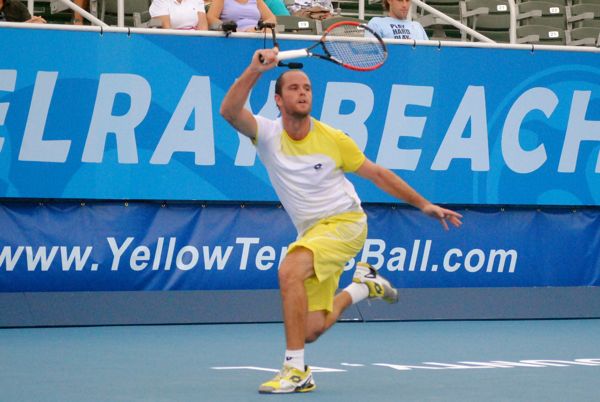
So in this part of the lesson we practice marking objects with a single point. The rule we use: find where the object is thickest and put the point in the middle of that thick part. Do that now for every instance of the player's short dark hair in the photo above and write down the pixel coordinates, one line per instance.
(279, 83)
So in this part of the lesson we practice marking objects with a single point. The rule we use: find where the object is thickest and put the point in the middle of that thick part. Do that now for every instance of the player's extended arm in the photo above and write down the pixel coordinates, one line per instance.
(233, 105)
(389, 182)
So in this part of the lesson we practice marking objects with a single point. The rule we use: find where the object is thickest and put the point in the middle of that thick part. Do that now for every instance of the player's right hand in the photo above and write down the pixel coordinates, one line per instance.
(264, 59)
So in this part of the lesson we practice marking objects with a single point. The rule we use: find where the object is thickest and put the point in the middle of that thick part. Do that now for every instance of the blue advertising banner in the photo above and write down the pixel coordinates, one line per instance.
(149, 246)
(85, 115)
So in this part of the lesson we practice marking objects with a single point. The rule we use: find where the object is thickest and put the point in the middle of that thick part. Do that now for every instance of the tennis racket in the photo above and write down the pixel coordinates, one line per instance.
(348, 43)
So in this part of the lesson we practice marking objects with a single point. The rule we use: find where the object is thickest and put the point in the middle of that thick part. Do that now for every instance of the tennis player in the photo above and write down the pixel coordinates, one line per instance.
(307, 161)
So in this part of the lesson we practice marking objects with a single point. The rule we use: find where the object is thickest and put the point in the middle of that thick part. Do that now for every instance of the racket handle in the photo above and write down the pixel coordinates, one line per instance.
(292, 54)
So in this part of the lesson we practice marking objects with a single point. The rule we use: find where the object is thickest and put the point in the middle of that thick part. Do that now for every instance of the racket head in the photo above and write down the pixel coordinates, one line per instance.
(354, 46)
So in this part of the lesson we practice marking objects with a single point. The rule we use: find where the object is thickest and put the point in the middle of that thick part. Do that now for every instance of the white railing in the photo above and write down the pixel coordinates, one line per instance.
(512, 8)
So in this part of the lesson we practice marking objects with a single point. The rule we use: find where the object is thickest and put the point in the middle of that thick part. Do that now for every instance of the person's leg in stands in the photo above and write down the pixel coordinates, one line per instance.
(77, 18)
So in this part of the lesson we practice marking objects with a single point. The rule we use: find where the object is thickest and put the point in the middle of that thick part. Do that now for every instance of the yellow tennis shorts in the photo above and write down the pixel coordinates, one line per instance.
(333, 241)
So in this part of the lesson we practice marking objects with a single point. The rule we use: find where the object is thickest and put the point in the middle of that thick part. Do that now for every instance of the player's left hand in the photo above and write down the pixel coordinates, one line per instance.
(443, 215)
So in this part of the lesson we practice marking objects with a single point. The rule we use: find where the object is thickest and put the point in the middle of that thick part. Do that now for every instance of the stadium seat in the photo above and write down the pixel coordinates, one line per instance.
(488, 17)
(583, 36)
(297, 25)
(441, 31)
(541, 13)
(541, 35)
(563, 3)
(350, 8)
(574, 2)
(497, 36)
(449, 7)
(436, 27)
(136, 12)
(583, 15)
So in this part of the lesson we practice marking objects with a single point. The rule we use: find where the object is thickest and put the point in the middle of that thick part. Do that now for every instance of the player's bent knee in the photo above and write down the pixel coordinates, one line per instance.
(296, 267)
(290, 277)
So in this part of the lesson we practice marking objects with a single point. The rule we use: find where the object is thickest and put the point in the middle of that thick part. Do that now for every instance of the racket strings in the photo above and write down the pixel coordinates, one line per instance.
(355, 46)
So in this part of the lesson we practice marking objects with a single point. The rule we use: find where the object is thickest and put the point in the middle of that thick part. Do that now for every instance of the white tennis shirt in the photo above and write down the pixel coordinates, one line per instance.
(183, 15)
(308, 175)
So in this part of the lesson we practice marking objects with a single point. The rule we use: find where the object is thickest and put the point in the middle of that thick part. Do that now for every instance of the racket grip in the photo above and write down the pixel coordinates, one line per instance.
(292, 54)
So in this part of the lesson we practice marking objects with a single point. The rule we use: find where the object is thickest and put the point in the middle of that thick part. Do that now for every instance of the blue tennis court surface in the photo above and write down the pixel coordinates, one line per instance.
(550, 360)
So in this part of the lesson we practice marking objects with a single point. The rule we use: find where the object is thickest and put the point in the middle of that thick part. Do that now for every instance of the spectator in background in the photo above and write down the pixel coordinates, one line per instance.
(180, 14)
(396, 25)
(245, 13)
(277, 7)
(78, 18)
(15, 11)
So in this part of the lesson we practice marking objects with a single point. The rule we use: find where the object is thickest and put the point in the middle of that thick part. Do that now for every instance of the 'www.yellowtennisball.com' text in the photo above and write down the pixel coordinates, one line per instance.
(246, 253)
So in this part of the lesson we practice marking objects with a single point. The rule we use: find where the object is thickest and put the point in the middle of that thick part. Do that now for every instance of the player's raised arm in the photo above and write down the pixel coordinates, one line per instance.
(233, 105)
(392, 184)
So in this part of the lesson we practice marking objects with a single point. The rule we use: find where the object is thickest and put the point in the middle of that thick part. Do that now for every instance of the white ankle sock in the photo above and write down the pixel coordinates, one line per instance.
(294, 358)
(357, 291)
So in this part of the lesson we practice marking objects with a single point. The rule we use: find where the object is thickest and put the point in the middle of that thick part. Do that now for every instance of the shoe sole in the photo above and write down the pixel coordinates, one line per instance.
(392, 300)
(308, 386)
(297, 390)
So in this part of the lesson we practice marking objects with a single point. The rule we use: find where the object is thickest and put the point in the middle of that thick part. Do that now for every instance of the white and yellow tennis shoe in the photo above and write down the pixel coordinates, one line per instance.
(289, 380)
(379, 287)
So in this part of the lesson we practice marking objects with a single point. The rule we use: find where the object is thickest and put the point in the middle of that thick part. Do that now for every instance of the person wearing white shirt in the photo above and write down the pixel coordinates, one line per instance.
(180, 14)
(396, 25)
